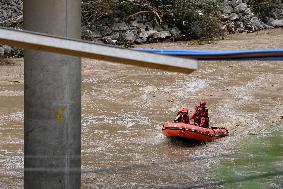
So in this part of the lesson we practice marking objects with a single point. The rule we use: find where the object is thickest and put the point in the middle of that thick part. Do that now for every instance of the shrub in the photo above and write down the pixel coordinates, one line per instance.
(197, 19)
(95, 10)
(264, 8)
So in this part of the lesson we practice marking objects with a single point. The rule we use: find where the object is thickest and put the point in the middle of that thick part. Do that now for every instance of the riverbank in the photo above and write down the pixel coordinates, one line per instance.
(127, 23)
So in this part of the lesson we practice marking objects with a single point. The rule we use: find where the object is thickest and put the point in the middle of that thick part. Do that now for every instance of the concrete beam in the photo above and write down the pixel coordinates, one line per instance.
(51, 43)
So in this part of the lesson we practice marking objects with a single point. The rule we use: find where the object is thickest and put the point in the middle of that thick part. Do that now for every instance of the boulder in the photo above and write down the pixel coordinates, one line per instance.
(225, 17)
(250, 28)
(276, 23)
(144, 34)
(120, 26)
(7, 49)
(130, 36)
(158, 27)
(227, 9)
(135, 23)
(175, 33)
(139, 40)
(108, 40)
(90, 35)
(234, 3)
(248, 11)
(161, 35)
(257, 23)
(115, 36)
(104, 30)
(234, 17)
(2, 51)
(241, 8)
(266, 26)
(240, 26)
(231, 27)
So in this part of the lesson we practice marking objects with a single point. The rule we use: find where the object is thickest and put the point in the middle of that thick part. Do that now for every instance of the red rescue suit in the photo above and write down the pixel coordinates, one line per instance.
(182, 116)
(200, 117)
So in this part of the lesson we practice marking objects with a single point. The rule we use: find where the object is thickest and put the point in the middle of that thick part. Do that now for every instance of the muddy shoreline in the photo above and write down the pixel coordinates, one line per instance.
(123, 108)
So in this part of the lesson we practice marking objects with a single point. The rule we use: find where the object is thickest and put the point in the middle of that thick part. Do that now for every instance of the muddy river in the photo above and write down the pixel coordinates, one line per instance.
(123, 108)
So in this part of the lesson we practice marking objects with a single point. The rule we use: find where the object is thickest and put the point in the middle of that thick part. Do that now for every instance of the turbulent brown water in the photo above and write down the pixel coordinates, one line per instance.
(125, 106)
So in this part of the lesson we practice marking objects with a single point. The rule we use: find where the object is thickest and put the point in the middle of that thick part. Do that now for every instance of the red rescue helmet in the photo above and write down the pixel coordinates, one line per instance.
(184, 110)
(202, 103)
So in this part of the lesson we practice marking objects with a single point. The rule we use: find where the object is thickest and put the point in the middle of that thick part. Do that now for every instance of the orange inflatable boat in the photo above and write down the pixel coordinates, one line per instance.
(200, 134)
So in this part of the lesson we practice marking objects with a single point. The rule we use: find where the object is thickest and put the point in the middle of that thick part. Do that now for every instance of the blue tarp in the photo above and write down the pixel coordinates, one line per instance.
(265, 54)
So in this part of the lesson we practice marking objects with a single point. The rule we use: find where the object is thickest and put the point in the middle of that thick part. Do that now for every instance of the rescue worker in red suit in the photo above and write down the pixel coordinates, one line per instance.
(200, 117)
(183, 116)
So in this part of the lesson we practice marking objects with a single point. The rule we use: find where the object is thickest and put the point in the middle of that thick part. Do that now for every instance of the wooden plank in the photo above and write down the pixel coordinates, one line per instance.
(48, 43)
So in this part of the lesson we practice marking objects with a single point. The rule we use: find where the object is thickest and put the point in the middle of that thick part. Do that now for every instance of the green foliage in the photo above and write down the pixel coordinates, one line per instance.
(197, 19)
(95, 10)
(126, 8)
(263, 8)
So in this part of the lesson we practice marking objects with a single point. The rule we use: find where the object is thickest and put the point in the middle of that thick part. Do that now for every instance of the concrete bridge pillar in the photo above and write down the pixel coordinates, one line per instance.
(52, 104)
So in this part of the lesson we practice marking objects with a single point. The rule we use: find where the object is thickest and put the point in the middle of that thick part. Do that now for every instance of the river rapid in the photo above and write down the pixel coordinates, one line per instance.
(124, 107)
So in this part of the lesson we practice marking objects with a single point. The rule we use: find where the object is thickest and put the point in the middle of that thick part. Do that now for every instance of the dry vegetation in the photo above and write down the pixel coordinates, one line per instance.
(196, 19)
